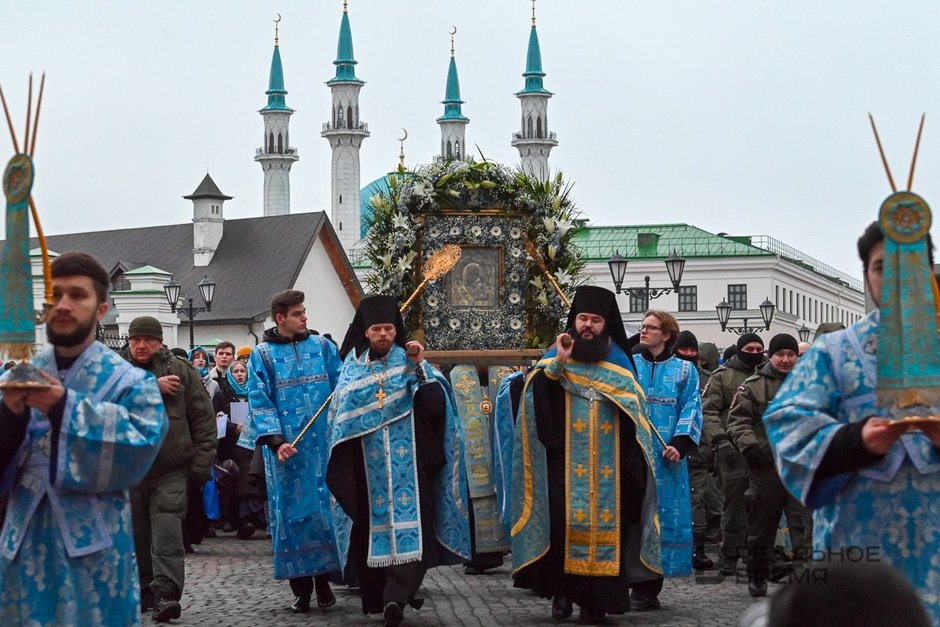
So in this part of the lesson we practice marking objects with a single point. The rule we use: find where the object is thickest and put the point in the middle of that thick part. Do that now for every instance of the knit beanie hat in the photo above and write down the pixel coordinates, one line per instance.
(747, 338)
(686, 339)
(783, 341)
(145, 326)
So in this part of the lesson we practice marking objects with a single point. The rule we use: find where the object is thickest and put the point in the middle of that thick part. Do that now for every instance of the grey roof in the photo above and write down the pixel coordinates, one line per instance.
(256, 258)
(208, 189)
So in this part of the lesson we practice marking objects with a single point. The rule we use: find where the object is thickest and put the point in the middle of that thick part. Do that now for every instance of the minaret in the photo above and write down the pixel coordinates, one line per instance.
(276, 155)
(534, 140)
(453, 123)
(345, 133)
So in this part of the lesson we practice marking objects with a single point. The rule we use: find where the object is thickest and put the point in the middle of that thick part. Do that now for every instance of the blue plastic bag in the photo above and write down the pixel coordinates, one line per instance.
(210, 499)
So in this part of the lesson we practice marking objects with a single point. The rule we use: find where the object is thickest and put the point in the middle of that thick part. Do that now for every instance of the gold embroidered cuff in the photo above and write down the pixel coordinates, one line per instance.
(553, 370)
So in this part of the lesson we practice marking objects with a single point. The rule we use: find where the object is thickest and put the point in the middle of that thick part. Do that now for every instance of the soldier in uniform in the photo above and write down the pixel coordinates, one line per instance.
(767, 497)
(716, 401)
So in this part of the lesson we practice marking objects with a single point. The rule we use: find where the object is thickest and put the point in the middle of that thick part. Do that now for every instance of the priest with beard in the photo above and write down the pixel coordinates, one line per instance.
(583, 492)
(394, 469)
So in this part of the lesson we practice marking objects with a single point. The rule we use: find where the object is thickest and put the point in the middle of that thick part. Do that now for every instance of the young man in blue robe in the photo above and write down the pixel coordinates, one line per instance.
(290, 375)
(395, 464)
(873, 484)
(583, 487)
(675, 409)
(68, 454)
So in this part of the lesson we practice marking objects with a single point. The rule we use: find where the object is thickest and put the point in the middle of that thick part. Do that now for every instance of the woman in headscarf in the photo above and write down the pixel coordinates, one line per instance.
(242, 503)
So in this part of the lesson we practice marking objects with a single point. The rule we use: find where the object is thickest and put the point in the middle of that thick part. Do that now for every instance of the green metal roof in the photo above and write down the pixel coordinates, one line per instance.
(533, 67)
(276, 91)
(345, 59)
(657, 241)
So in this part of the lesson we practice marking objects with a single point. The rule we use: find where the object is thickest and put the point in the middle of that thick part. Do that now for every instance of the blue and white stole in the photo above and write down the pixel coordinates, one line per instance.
(374, 402)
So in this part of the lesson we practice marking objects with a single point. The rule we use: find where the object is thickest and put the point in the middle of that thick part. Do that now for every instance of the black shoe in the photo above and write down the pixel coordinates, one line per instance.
(701, 561)
(729, 566)
(301, 604)
(644, 605)
(780, 570)
(165, 610)
(757, 586)
(146, 600)
(228, 527)
(562, 607)
(590, 617)
(245, 531)
(325, 596)
(393, 614)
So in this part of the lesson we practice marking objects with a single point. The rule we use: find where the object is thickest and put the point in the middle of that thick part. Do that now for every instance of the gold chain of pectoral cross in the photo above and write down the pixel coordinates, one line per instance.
(380, 395)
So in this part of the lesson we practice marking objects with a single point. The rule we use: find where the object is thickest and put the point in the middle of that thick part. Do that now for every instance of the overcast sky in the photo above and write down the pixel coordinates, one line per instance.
(747, 117)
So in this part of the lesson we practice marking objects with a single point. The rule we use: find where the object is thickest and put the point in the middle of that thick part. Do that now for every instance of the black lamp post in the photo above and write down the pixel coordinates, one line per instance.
(618, 269)
(724, 315)
(804, 332)
(206, 290)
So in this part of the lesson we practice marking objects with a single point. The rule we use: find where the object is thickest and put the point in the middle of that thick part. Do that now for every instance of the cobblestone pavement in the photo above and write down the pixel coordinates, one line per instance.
(228, 583)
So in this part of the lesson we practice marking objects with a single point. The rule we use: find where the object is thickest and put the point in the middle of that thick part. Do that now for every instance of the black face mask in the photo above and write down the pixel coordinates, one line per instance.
(592, 350)
(751, 360)
(694, 359)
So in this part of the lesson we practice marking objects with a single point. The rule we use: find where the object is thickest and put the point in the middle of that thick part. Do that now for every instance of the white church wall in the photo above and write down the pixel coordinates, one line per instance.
(328, 306)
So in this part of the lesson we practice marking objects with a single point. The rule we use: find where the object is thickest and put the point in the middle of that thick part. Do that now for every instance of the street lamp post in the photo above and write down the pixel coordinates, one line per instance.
(206, 290)
(724, 314)
(804, 332)
(618, 269)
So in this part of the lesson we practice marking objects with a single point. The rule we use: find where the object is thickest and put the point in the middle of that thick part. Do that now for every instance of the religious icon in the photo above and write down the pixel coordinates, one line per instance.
(475, 280)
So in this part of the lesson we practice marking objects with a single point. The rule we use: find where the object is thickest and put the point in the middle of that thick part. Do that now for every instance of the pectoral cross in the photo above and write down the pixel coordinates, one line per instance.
(381, 396)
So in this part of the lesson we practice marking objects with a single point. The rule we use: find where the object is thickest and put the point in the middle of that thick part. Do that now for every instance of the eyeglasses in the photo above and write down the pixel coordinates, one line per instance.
(649, 327)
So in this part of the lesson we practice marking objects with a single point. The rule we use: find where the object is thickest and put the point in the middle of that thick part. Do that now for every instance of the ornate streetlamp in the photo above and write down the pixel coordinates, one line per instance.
(724, 315)
(618, 269)
(206, 290)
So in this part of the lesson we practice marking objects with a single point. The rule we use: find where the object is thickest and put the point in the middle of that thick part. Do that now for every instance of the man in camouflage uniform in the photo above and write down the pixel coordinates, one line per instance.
(766, 495)
(700, 460)
(716, 401)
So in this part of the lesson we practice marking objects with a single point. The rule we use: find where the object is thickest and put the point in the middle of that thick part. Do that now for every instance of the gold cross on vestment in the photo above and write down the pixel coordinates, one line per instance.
(606, 427)
(579, 425)
(607, 516)
(381, 396)
(580, 470)
(580, 516)
(607, 472)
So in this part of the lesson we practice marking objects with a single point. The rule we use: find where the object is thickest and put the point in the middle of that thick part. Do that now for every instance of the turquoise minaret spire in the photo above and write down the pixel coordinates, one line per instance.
(345, 132)
(453, 123)
(534, 140)
(276, 155)
(345, 59)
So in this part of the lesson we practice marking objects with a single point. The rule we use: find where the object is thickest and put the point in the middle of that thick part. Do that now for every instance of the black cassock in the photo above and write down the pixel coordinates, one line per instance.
(546, 576)
(346, 480)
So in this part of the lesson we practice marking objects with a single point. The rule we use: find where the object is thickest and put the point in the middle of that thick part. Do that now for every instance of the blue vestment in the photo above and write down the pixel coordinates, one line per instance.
(675, 409)
(886, 511)
(503, 427)
(288, 382)
(386, 434)
(67, 546)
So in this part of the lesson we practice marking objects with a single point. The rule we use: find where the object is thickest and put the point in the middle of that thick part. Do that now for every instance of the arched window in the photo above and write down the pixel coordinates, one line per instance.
(340, 226)
(340, 122)
(538, 127)
(450, 152)
(340, 199)
(357, 116)
(457, 148)
(271, 142)
(349, 117)
(280, 144)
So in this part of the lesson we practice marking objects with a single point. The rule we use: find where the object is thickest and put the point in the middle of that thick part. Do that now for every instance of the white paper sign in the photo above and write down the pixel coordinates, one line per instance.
(239, 413)
(221, 422)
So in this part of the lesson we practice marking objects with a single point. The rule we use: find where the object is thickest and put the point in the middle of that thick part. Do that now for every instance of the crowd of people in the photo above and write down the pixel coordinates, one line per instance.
(607, 466)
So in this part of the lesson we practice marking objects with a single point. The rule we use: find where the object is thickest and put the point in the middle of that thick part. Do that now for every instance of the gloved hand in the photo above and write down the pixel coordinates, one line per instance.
(755, 460)
(727, 453)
